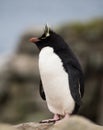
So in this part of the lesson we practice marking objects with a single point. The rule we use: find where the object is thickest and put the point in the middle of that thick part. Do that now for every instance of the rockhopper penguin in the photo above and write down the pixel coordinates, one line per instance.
(62, 82)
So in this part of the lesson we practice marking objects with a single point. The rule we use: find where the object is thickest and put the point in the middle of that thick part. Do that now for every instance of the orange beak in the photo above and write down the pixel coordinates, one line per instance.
(34, 40)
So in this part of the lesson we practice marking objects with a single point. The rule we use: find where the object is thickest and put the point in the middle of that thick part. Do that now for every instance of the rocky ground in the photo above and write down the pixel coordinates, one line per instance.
(74, 123)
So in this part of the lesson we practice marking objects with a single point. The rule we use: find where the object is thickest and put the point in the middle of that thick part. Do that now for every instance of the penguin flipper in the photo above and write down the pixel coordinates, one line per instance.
(74, 76)
(42, 94)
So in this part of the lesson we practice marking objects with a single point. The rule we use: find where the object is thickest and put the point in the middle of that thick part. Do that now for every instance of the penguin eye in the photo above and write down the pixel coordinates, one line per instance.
(45, 35)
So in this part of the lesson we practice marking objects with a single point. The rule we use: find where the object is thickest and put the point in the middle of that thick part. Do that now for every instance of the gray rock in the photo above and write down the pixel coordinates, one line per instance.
(6, 127)
(74, 123)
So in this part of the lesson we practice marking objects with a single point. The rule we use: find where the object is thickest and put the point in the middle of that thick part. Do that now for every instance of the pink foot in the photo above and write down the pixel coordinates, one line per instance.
(55, 118)
(67, 116)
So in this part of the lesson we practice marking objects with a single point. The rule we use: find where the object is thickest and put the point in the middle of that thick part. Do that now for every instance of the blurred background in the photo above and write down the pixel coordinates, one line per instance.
(80, 23)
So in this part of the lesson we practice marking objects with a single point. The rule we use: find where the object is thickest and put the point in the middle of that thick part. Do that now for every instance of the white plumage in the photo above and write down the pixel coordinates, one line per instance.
(55, 82)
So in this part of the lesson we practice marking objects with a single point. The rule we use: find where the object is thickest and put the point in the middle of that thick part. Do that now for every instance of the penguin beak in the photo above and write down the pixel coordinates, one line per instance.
(34, 39)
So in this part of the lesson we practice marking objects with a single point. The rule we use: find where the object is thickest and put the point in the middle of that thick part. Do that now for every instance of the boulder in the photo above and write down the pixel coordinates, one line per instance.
(7, 127)
(74, 123)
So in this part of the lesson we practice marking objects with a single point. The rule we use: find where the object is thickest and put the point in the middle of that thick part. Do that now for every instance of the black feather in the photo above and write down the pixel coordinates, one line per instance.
(42, 94)
(73, 75)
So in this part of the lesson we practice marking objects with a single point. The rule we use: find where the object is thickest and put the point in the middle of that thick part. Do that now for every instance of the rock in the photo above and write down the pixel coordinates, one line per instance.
(34, 126)
(6, 127)
(74, 123)
(24, 66)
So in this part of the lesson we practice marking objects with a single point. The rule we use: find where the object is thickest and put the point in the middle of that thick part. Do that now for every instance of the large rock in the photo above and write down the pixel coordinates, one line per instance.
(6, 127)
(74, 123)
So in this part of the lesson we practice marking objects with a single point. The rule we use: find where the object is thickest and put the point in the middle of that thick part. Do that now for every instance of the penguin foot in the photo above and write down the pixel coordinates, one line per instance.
(55, 118)
(67, 116)
(48, 121)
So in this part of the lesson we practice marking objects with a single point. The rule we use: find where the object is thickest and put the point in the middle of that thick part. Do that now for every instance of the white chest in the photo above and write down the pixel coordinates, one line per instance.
(55, 82)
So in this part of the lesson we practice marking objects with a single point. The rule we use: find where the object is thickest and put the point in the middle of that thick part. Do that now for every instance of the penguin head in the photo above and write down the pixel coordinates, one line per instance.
(48, 38)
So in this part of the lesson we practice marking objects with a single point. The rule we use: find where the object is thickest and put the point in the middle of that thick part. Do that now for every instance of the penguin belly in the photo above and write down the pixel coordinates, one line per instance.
(55, 82)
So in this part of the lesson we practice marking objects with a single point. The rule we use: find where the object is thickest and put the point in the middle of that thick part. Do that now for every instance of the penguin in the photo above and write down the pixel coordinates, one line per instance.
(61, 75)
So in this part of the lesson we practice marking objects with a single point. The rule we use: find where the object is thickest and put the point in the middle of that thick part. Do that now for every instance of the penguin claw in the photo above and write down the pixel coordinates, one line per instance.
(55, 118)
(48, 121)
